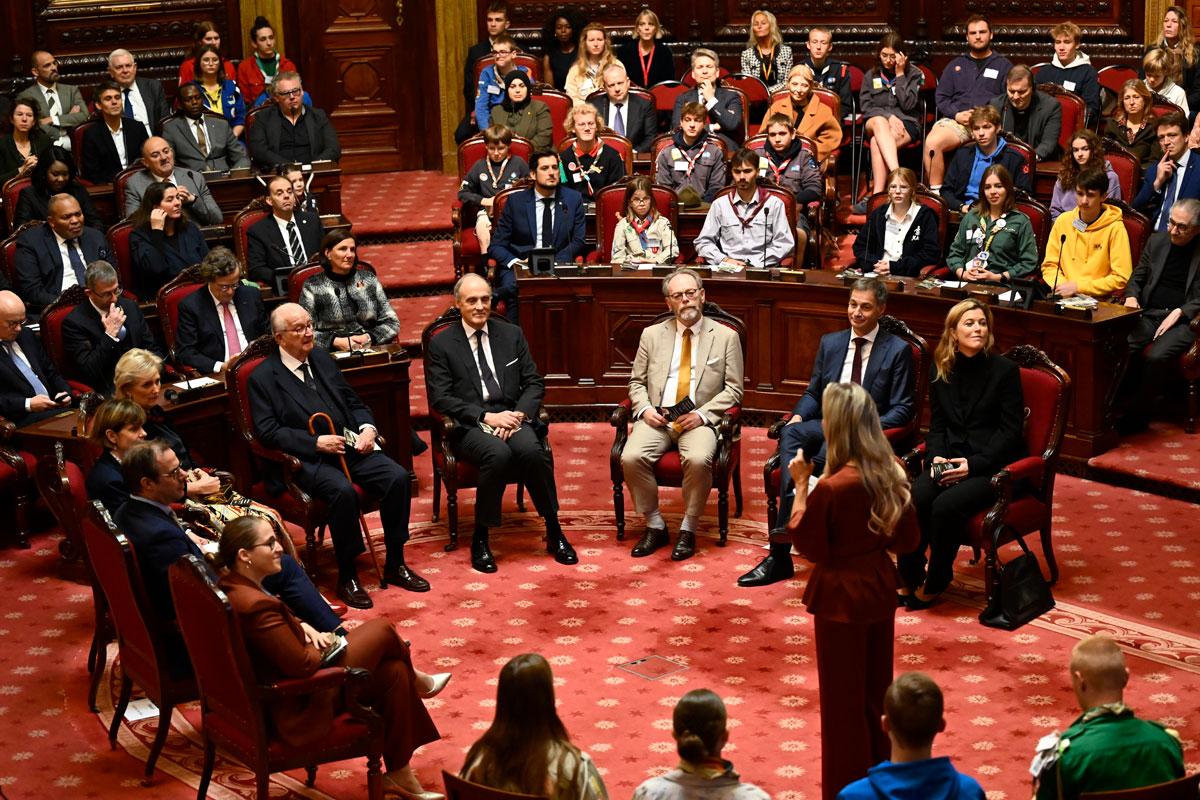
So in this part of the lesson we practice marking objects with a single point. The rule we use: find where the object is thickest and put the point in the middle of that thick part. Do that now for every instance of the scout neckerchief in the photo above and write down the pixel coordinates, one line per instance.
(791, 153)
(761, 203)
(645, 60)
(699, 148)
(888, 83)
(487, 162)
(585, 172)
(641, 226)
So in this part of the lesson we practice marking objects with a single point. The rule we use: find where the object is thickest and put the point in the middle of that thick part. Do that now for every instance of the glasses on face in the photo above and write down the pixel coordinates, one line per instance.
(1172, 225)
(268, 543)
(502, 52)
(290, 92)
(178, 472)
(111, 294)
(12, 324)
(688, 293)
(226, 287)
(300, 330)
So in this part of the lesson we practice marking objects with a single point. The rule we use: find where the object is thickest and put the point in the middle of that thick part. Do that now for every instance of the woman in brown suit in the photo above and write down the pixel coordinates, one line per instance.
(860, 510)
(811, 117)
(282, 646)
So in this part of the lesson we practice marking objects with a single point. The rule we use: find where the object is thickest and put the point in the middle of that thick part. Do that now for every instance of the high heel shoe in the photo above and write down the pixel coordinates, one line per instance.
(393, 788)
(437, 683)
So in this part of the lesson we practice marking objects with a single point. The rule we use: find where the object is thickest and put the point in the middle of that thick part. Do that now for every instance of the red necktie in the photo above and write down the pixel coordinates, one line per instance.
(856, 365)
(232, 342)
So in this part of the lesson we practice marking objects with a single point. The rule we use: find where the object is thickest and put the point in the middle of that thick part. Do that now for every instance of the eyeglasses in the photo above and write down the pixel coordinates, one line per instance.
(299, 330)
(289, 92)
(268, 543)
(12, 323)
(1172, 225)
(503, 52)
(226, 287)
(178, 472)
(688, 293)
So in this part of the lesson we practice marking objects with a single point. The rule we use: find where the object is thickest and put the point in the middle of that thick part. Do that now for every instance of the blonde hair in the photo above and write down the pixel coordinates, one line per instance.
(1187, 52)
(776, 35)
(1100, 661)
(947, 347)
(650, 15)
(135, 364)
(853, 433)
(806, 71)
(1162, 61)
(607, 57)
(575, 111)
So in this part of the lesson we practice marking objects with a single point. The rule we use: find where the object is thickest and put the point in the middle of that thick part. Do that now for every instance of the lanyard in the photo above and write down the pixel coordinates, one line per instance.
(487, 162)
(986, 245)
(645, 64)
(762, 203)
(766, 64)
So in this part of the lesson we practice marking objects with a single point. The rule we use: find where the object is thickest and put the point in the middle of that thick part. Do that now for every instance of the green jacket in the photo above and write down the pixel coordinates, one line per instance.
(1106, 749)
(1012, 248)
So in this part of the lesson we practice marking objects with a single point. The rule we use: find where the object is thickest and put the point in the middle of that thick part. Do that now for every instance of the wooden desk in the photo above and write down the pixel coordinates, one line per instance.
(205, 420)
(584, 334)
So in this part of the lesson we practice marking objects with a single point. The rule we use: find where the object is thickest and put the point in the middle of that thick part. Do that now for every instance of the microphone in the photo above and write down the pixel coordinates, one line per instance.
(766, 230)
(1062, 241)
(932, 153)
(867, 262)
(174, 395)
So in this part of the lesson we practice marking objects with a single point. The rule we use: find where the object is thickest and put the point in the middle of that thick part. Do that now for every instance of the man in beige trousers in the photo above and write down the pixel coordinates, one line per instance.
(686, 357)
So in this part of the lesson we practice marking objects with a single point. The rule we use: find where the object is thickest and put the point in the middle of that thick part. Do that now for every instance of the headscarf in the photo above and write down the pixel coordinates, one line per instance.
(507, 104)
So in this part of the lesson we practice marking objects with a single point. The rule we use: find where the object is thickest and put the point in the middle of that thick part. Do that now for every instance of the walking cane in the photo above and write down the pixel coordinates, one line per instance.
(362, 520)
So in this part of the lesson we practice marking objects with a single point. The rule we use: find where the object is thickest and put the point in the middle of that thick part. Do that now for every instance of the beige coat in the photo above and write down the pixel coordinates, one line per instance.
(718, 363)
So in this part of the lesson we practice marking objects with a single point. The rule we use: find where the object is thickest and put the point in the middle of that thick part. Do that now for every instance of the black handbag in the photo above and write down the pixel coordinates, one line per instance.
(1019, 593)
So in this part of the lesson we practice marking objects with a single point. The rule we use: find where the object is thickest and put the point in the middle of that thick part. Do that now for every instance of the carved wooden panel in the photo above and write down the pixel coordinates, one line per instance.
(359, 62)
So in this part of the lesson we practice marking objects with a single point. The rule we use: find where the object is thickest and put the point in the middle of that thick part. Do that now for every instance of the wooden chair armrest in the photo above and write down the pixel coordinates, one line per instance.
(8, 429)
(327, 678)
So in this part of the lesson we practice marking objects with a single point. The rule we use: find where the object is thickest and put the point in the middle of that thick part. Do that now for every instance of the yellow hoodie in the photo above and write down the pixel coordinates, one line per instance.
(1097, 259)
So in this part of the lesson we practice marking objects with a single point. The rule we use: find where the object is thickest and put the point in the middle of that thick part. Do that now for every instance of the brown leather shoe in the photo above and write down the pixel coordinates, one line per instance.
(685, 547)
(651, 540)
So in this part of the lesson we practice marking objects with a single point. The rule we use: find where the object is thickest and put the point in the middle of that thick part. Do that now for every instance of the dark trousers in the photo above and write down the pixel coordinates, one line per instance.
(941, 512)
(806, 436)
(379, 476)
(854, 667)
(505, 290)
(1150, 359)
(292, 586)
(500, 461)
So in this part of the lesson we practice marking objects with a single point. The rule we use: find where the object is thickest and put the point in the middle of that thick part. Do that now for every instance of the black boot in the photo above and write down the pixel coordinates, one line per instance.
(481, 555)
(777, 566)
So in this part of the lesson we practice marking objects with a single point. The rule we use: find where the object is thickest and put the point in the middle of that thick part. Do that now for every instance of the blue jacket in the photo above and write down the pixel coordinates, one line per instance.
(931, 779)
(513, 237)
(158, 543)
(1078, 77)
(965, 84)
(1149, 201)
(958, 175)
(232, 104)
(888, 377)
(486, 95)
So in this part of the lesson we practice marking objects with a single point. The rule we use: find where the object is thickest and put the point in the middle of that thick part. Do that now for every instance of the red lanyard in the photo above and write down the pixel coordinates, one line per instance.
(646, 64)
(762, 203)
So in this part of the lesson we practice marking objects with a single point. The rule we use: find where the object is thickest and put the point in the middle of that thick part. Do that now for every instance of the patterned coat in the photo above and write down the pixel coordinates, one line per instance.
(342, 309)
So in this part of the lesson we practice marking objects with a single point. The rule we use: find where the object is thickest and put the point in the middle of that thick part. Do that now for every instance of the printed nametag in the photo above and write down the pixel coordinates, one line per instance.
(681, 166)
(991, 73)
(493, 90)
(877, 83)
(1069, 85)
(1079, 225)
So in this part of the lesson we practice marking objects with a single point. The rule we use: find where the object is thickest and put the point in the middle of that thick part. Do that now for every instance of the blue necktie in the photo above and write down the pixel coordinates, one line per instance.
(76, 260)
(1168, 200)
(128, 105)
(26, 370)
(619, 120)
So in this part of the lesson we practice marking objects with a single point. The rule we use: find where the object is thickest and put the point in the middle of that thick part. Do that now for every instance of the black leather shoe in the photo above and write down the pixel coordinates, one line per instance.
(482, 559)
(685, 547)
(405, 578)
(917, 604)
(771, 569)
(353, 594)
(651, 540)
(561, 549)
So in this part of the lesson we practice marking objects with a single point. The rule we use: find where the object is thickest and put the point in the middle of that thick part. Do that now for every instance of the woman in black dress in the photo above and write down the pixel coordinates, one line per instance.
(54, 174)
(647, 60)
(24, 144)
(560, 46)
(164, 241)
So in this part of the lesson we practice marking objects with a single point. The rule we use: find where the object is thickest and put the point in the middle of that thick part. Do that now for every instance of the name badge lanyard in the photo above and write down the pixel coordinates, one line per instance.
(986, 243)
(496, 178)
(646, 59)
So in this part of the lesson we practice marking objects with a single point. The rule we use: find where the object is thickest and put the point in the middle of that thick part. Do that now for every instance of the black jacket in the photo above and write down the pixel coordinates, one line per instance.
(1149, 269)
(100, 163)
(39, 263)
(200, 331)
(266, 251)
(15, 389)
(158, 258)
(105, 483)
(987, 430)
(263, 137)
(921, 245)
(34, 203)
(1045, 122)
(92, 352)
(959, 172)
(641, 120)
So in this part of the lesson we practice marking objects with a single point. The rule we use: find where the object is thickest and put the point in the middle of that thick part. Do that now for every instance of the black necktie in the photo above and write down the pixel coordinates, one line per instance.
(547, 222)
(76, 260)
(128, 104)
(294, 243)
(489, 380)
(856, 367)
(333, 408)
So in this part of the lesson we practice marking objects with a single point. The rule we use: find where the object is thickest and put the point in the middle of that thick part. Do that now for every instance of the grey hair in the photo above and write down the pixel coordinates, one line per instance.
(1190, 205)
(675, 273)
(120, 51)
(219, 262)
(97, 273)
(458, 283)
(286, 75)
(704, 52)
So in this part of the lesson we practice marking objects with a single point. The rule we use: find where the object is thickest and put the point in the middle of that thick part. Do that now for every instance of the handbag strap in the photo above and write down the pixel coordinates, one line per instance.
(996, 543)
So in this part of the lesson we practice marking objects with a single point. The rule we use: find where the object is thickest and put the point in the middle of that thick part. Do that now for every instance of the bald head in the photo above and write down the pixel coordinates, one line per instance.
(64, 216)
(292, 328)
(12, 313)
(473, 299)
(1098, 672)
(158, 157)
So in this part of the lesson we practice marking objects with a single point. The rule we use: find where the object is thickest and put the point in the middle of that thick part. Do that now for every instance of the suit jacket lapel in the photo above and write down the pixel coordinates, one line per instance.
(704, 347)
(1191, 275)
(532, 215)
(833, 369)
(50, 242)
(458, 339)
(882, 343)
(499, 354)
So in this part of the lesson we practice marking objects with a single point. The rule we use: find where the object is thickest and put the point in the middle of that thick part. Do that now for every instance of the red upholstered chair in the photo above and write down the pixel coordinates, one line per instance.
(257, 209)
(934, 203)
(252, 113)
(12, 193)
(77, 143)
(609, 201)
(298, 275)
(623, 146)
(16, 480)
(1025, 488)
(690, 81)
(1074, 113)
(789, 206)
(51, 330)
(1161, 105)
(1039, 218)
(1137, 226)
(448, 470)
(1184, 788)
(459, 789)
(1111, 79)
(755, 96)
(559, 104)
(901, 438)
(293, 503)
(118, 240)
(234, 704)
(1127, 166)
(120, 182)
(61, 485)
(174, 292)
(1027, 153)
(8, 251)
(144, 638)
(466, 243)
(665, 93)
(727, 461)
(475, 148)
(530, 62)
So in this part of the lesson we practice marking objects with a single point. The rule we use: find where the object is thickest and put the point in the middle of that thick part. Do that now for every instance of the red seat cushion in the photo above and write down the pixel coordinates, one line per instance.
(1025, 515)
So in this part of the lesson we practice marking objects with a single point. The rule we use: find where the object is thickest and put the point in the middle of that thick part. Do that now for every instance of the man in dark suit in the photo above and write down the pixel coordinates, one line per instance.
(725, 110)
(288, 132)
(290, 386)
(287, 238)
(159, 160)
(218, 322)
(481, 375)
(30, 387)
(544, 216)
(142, 98)
(202, 142)
(1176, 176)
(631, 116)
(865, 354)
(155, 480)
(98, 331)
(101, 159)
(1033, 117)
(53, 257)
(1165, 287)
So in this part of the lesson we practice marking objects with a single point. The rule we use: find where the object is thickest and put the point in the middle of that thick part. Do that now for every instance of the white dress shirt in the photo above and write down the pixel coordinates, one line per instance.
(768, 234)
(848, 364)
(139, 106)
(237, 324)
(192, 125)
(487, 354)
(896, 231)
(287, 241)
(68, 276)
(118, 137)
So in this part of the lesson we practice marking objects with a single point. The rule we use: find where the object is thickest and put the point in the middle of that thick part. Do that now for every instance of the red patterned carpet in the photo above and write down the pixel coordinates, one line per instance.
(391, 203)
(1165, 454)
(1129, 569)
(411, 266)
